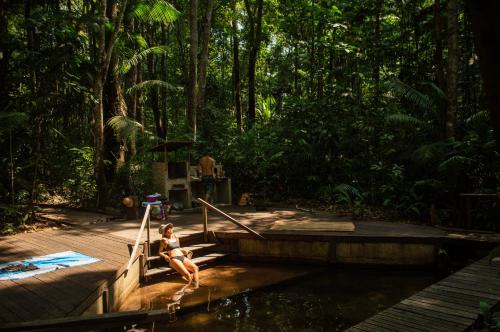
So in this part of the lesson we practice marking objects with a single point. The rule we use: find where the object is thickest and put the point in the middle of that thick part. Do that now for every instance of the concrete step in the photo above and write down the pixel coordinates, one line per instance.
(197, 250)
(202, 262)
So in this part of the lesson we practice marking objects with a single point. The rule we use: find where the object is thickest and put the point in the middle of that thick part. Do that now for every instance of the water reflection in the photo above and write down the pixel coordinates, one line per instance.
(331, 300)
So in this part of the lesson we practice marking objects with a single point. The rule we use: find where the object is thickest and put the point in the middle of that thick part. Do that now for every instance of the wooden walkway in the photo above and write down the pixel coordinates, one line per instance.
(64, 292)
(449, 305)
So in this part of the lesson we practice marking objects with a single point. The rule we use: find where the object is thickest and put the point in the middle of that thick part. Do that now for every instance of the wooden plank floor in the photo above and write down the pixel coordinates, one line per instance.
(449, 305)
(61, 292)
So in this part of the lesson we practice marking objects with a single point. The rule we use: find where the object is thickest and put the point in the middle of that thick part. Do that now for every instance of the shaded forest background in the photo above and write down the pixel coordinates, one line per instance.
(363, 104)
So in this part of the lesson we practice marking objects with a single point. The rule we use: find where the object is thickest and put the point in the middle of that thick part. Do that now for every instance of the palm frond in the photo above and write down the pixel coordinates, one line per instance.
(454, 163)
(153, 83)
(158, 11)
(481, 116)
(439, 92)
(124, 127)
(404, 90)
(404, 120)
(140, 56)
(12, 119)
(346, 193)
(428, 153)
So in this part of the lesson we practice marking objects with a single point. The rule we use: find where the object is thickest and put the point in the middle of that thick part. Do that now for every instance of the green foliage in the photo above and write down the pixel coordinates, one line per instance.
(343, 115)
(81, 187)
(158, 11)
(491, 318)
(125, 128)
(141, 56)
(494, 253)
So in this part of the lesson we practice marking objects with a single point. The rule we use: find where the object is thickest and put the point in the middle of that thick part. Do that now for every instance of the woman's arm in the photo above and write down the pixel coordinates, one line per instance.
(161, 253)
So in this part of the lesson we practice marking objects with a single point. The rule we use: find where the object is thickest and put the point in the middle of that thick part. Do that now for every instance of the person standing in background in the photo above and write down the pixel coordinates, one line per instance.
(206, 165)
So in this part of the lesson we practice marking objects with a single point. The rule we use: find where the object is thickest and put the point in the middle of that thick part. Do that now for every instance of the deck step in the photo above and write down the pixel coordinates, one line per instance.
(201, 261)
(194, 248)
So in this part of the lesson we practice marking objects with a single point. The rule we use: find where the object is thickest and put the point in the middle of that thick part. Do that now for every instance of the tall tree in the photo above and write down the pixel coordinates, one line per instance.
(452, 68)
(4, 54)
(105, 47)
(193, 66)
(254, 38)
(236, 68)
(487, 37)
(205, 40)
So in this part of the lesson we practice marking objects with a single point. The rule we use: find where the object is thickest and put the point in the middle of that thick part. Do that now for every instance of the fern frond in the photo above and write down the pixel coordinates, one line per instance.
(347, 190)
(481, 116)
(138, 57)
(410, 93)
(124, 127)
(11, 119)
(439, 92)
(404, 120)
(427, 153)
(454, 162)
(153, 83)
(157, 11)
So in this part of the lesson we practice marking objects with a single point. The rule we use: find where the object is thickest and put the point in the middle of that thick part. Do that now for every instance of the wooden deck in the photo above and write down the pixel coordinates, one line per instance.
(449, 305)
(64, 292)
(453, 303)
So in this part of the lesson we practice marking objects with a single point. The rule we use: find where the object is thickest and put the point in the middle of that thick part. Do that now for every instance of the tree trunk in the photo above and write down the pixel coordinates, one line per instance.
(202, 78)
(486, 29)
(377, 53)
(164, 92)
(193, 66)
(132, 99)
(4, 55)
(103, 58)
(236, 69)
(438, 40)
(153, 96)
(452, 68)
(254, 36)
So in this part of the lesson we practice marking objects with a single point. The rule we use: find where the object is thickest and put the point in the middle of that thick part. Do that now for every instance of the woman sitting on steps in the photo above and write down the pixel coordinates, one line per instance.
(179, 259)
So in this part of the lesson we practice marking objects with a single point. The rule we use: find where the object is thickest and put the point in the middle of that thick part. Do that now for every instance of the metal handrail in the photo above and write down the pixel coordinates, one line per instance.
(138, 239)
(228, 217)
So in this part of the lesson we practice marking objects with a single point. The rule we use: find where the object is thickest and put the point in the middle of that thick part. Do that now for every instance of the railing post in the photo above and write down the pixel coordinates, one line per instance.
(148, 248)
(205, 222)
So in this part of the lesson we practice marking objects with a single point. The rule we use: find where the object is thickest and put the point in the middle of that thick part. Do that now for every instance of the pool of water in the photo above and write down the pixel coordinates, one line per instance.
(330, 299)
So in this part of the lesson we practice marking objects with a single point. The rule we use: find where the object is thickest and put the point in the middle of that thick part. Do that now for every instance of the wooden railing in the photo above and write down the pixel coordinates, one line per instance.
(204, 211)
(145, 221)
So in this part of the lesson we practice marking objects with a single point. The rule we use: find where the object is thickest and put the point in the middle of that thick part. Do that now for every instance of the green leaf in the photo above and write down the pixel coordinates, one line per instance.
(155, 11)
(138, 57)
(494, 254)
(124, 127)
(145, 85)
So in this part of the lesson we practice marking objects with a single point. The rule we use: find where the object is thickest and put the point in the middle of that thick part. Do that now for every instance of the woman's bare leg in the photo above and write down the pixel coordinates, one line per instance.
(179, 267)
(193, 268)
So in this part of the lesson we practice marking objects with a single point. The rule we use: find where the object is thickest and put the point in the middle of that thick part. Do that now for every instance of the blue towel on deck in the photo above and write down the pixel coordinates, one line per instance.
(42, 264)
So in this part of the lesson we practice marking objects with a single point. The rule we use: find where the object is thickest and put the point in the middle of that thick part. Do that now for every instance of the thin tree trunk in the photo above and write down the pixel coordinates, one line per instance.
(164, 93)
(438, 53)
(486, 29)
(202, 77)
(452, 68)
(254, 36)
(132, 99)
(153, 95)
(377, 52)
(4, 55)
(193, 66)
(236, 69)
